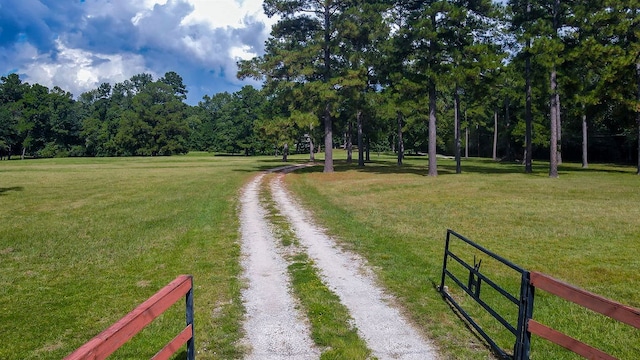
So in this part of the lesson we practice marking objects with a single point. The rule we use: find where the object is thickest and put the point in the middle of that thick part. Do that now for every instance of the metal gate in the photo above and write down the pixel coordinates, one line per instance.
(472, 280)
(475, 281)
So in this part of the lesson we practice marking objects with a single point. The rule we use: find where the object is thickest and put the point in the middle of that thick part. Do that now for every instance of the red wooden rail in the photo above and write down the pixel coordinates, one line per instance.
(108, 341)
(599, 304)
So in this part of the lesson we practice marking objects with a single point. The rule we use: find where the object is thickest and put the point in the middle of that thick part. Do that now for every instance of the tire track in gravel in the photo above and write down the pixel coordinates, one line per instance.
(274, 327)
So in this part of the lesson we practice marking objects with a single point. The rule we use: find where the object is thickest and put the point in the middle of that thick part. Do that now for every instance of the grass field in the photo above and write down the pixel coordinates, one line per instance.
(84, 241)
(583, 228)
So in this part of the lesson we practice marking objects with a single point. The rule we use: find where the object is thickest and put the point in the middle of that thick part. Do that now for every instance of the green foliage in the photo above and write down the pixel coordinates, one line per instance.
(137, 117)
(334, 60)
(32, 118)
(227, 122)
(325, 51)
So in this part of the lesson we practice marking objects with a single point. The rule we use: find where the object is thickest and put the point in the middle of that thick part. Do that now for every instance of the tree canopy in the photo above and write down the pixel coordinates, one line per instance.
(551, 79)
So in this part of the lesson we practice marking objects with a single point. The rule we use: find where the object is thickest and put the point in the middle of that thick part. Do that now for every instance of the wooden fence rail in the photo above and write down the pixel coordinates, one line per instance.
(599, 304)
(108, 341)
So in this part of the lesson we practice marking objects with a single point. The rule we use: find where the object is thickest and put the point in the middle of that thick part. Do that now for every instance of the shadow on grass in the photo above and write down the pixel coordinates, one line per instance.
(268, 164)
(5, 190)
(179, 355)
(418, 165)
(600, 168)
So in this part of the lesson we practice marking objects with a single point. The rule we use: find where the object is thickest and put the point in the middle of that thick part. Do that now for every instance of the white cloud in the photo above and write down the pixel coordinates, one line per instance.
(224, 13)
(97, 41)
(149, 4)
(241, 53)
(78, 71)
(24, 51)
(214, 13)
(103, 9)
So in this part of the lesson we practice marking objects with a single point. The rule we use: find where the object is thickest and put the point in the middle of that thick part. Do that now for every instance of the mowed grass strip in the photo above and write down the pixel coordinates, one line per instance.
(583, 228)
(331, 324)
(84, 241)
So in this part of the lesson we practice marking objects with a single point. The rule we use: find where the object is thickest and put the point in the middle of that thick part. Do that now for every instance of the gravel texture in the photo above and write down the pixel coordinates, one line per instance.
(387, 333)
(274, 328)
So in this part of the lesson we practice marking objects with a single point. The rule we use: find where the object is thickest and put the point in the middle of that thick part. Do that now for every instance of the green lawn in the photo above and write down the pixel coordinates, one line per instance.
(84, 241)
(583, 228)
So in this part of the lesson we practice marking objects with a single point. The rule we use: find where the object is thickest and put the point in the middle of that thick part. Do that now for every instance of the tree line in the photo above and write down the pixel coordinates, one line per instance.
(553, 79)
(137, 117)
(527, 77)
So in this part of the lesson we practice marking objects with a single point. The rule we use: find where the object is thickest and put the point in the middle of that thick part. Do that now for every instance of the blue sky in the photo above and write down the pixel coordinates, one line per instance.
(78, 44)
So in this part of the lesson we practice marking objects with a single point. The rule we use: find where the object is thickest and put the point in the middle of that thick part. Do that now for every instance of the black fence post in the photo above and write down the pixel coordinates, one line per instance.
(191, 343)
(444, 263)
(522, 348)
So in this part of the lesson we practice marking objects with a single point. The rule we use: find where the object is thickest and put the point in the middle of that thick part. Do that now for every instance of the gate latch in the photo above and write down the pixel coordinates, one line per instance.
(474, 279)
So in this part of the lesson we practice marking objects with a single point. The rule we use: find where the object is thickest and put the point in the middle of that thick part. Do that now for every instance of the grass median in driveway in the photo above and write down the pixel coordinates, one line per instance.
(582, 228)
(84, 241)
(331, 324)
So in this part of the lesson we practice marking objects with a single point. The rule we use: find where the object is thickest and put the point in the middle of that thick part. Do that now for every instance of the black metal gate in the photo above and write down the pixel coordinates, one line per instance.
(475, 281)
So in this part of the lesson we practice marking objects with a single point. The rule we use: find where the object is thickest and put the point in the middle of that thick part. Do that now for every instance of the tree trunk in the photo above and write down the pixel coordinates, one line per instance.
(285, 152)
(328, 141)
(559, 127)
(456, 126)
(433, 165)
(495, 135)
(527, 116)
(328, 121)
(638, 111)
(466, 142)
(585, 162)
(400, 141)
(478, 142)
(508, 123)
(349, 143)
(553, 149)
(367, 153)
(360, 142)
(312, 156)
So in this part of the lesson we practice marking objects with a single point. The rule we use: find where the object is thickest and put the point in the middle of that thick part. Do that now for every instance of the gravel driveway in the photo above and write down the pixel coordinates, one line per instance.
(274, 327)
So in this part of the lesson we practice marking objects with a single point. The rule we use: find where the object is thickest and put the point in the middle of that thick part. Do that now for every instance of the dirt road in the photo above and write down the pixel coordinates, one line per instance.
(274, 327)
